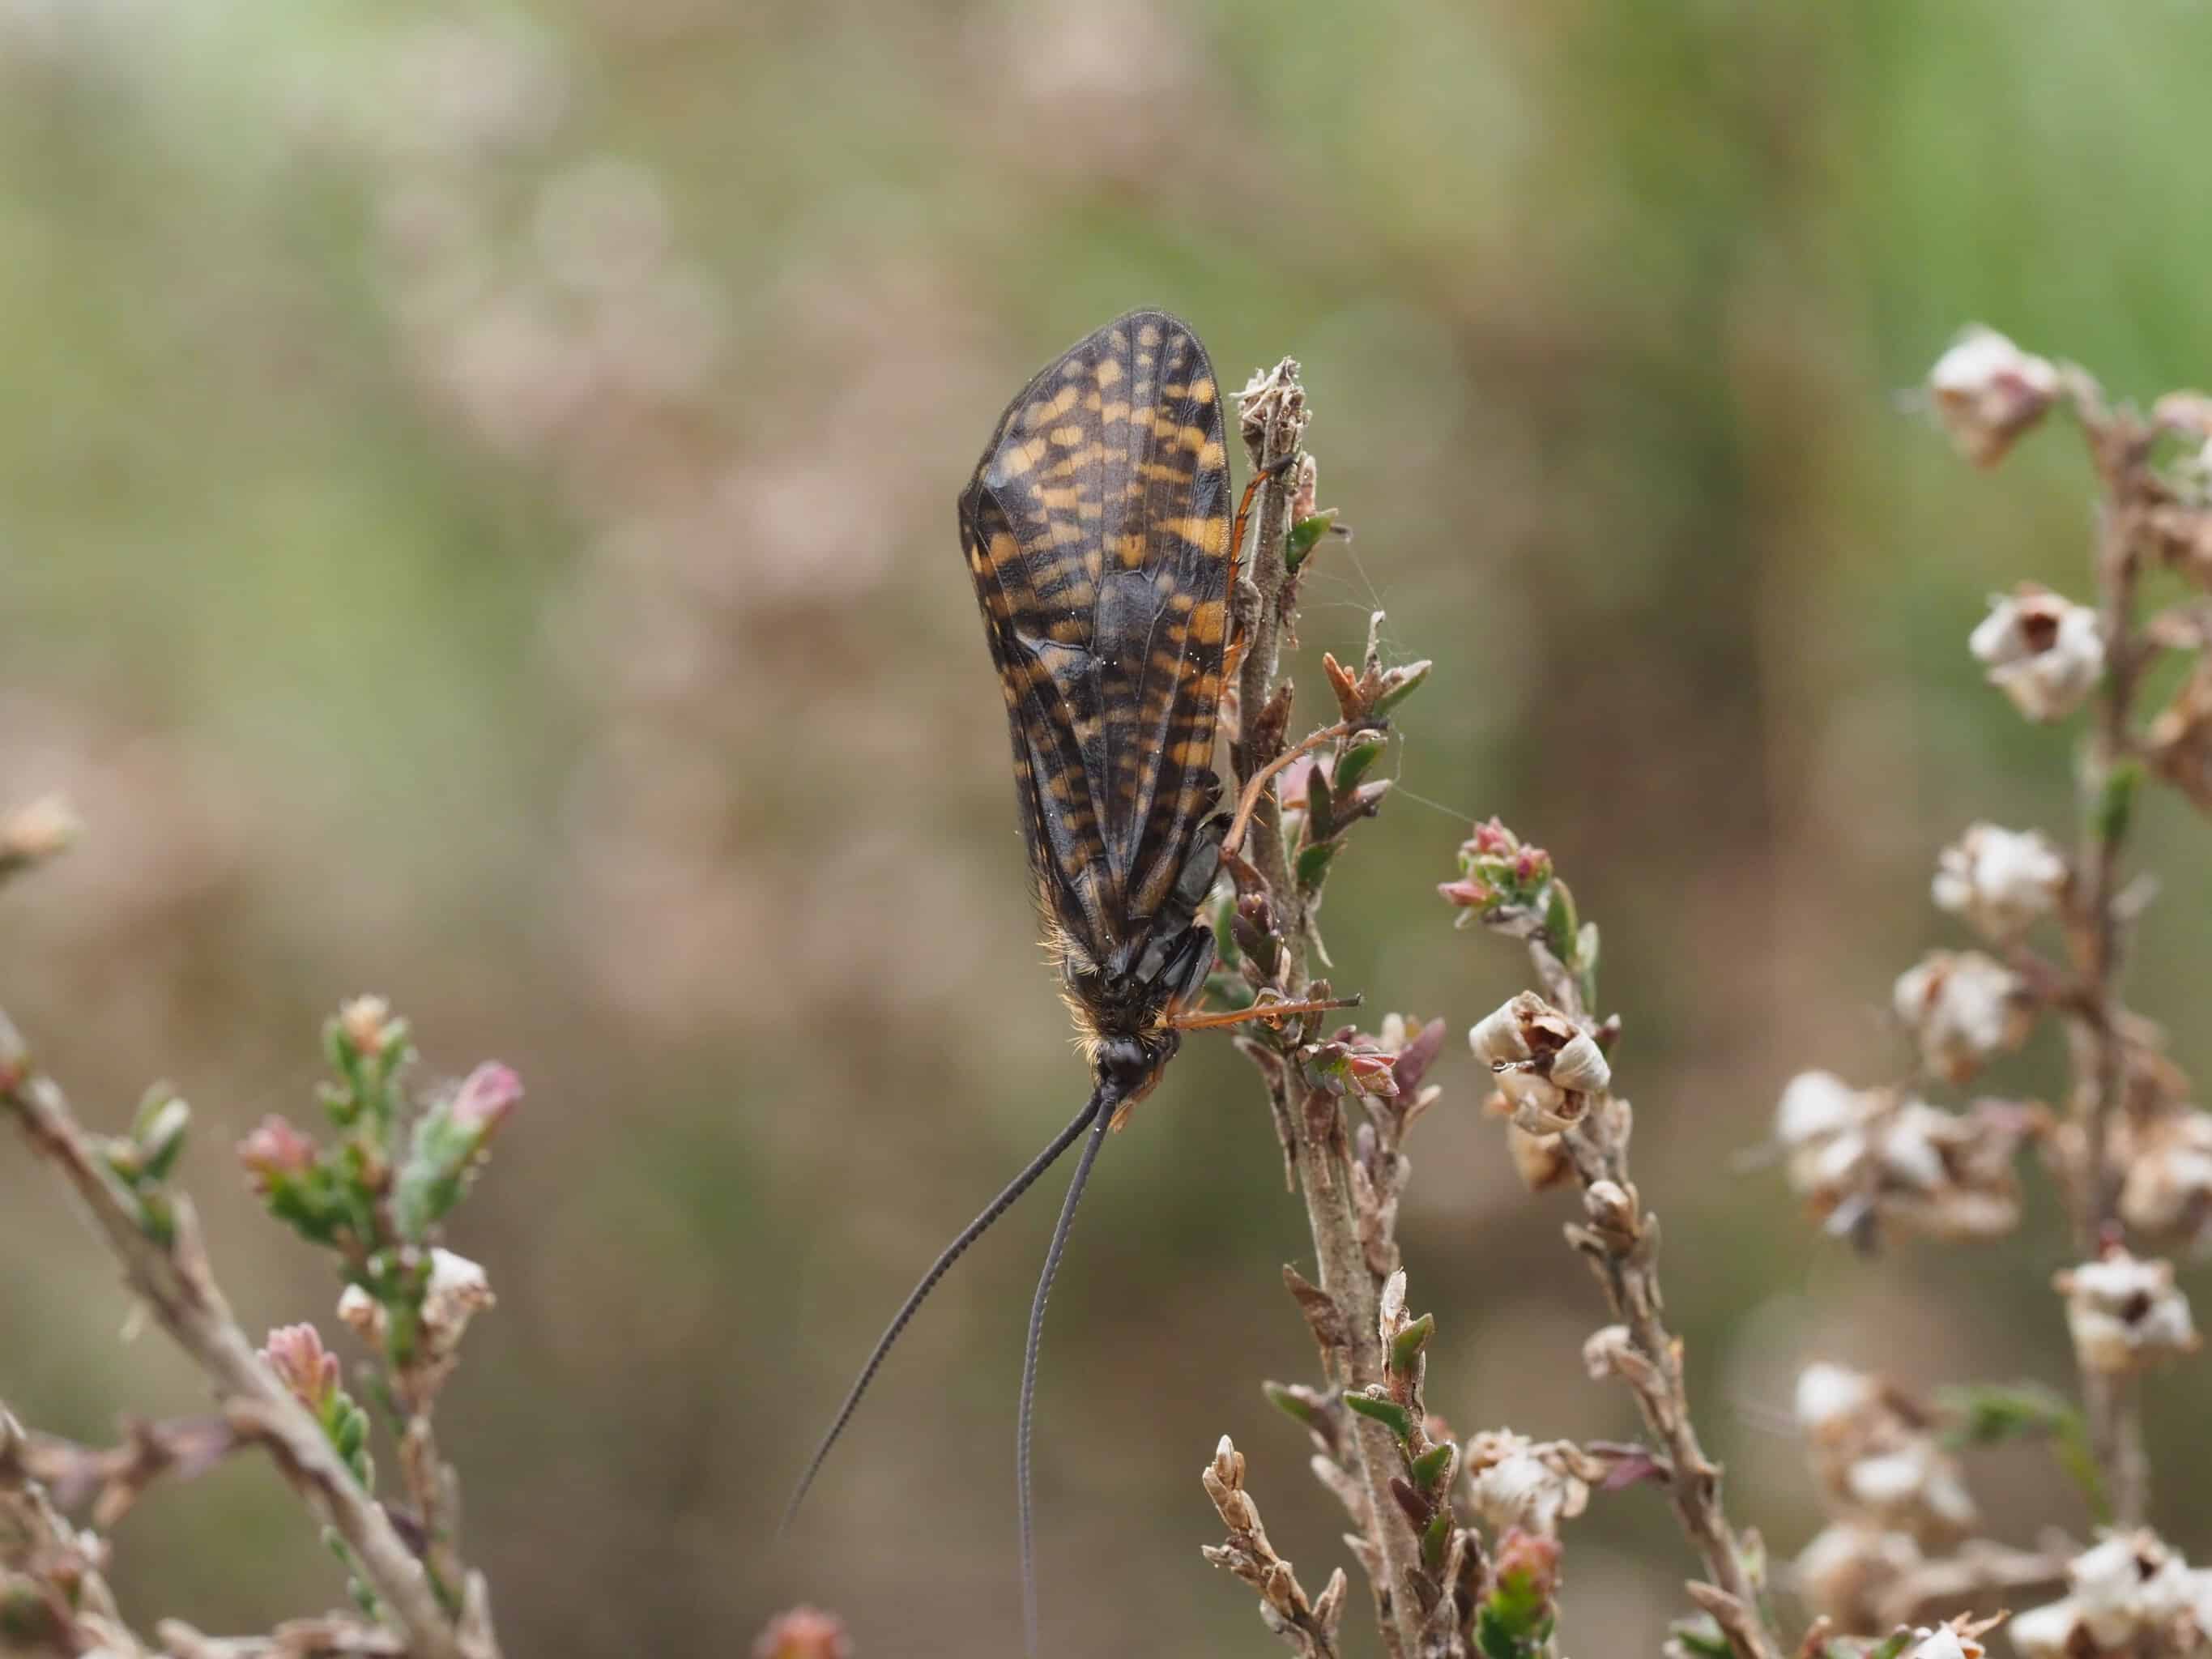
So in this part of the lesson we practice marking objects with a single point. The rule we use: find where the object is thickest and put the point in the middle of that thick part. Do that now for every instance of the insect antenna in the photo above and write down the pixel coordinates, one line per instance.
(1094, 1109)
(1101, 1102)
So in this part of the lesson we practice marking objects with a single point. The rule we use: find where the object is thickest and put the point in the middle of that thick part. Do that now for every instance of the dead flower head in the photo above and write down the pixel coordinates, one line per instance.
(1987, 392)
(2131, 1593)
(2000, 880)
(1876, 1451)
(2125, 1313)
(2041, 649)
(1962, 1008)
(1518, 1482)
(1546, 1065)
(1848, 1569)
(1860, 1155)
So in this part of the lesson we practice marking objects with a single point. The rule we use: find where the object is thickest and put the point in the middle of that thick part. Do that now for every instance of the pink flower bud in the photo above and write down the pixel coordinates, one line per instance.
(274, 1151)
(804, 1633)
(487, 1099)
(296, 1354)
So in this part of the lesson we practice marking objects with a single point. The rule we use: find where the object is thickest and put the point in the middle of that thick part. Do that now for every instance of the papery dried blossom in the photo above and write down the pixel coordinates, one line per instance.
(2129, 1594)
(1987, 392)
(1848, 1568)
(458, 1290)
(2042, 650)
(1962, 1008)
(1875, 1451)
(2167, 1193)
(1546, 1064)
(1959, 1638)
(2179, 739)
(1868, 1154)
(2125, 1313)
(1519, 1483)
(2000, 880)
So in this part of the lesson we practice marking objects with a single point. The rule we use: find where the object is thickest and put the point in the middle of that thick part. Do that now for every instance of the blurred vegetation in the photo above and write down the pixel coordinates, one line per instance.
(476, 524)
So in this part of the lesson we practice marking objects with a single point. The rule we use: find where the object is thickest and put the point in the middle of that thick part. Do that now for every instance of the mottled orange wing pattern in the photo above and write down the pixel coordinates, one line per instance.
(1096, 527)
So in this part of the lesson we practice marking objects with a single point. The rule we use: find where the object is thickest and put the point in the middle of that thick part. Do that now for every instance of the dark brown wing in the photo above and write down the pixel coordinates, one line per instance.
(1097, 527)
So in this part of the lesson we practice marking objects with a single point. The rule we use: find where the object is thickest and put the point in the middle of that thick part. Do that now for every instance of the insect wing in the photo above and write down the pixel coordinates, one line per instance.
(1096, 527)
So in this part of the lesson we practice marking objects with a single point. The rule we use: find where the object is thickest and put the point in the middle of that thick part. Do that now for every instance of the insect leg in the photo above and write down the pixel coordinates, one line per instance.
(1267, 1010)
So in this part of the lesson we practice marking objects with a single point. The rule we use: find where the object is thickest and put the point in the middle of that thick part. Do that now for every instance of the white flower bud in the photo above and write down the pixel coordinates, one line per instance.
(1987, 392)
(2043, 651)
(2000, 880)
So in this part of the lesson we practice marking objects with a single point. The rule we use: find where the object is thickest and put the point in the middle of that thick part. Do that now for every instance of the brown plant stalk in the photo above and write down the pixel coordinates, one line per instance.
(2120, 444)
(1620, 1242)
(168, 1270)
(1274, 423)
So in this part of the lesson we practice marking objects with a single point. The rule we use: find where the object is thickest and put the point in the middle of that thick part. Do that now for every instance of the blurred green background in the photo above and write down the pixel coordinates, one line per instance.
(476, 524)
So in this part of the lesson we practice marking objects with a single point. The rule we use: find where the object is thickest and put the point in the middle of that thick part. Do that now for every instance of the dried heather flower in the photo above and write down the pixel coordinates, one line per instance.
(1848, 1568)
(1959, 1638)
(1963, 1007)
(1987, 392)
(2042, 650)
(2125, 1313)
(2167, 1190)
(458, 1290)
(1866, 1153)
(1875, 1451)
(2000, 880)
(1544, 1062)
(2129, 1593)
(2180, 740)
(1518, 1483)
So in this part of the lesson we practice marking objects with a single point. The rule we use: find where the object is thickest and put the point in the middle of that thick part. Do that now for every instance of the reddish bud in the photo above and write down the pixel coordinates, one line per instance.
(804, 1633)
(296, 1354)
(487, 1099)
(275, 1151)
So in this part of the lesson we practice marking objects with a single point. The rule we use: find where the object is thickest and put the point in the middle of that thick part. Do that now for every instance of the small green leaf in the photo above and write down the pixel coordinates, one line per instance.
(1313, 864)
(1389, 1412)
(1351, 766)
(1293, 1404)
(1561, 923)
(1305, 535)
(1432, 1469)
(1701, 1636)
(1320, 807)
(1399, 683)
(1436, 1538)
(2115, 802)
(1406, 1347)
